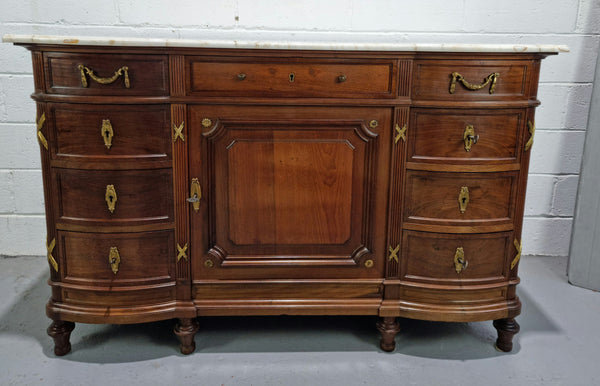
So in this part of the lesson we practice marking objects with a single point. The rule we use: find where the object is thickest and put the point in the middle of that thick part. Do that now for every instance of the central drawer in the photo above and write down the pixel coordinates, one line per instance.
(351, 78)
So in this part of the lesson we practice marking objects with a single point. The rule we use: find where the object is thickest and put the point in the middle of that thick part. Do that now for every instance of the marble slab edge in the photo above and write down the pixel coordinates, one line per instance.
(282, 45)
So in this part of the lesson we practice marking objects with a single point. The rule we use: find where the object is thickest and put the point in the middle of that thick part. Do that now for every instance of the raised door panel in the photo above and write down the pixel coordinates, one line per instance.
(288, 192)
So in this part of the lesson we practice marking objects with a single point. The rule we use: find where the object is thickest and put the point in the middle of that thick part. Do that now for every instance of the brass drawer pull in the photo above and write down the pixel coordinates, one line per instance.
(114, 259)
(493, 77)
(241, 76)
(86, 71)
(463, 199)
(111, 197)
(460, 263)
(469, 137)
(195, 194)
(107, 133)
(342, 78)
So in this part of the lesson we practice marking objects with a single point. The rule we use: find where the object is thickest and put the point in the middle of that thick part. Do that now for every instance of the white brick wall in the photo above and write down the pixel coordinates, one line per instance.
(564, 90)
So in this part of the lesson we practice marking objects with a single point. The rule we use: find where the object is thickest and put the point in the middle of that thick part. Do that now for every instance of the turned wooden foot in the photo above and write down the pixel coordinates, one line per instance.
(185, 329)
(507, 328)
(60, 331)
(388, 327)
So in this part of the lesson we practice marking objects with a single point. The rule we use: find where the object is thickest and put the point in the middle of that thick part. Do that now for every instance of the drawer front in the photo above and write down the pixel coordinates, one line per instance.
(117, 259)
(460, 198)
(114, 197)
(106, 74)
(344, 79)
(431, 258)
(470, 79)
(443, 135)
(111, 132)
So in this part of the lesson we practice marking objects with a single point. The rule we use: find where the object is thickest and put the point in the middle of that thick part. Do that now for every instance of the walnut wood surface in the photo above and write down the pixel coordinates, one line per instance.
(311, 202)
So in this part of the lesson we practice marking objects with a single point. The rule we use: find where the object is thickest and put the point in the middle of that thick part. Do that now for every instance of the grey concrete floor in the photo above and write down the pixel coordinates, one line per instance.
(559, 343)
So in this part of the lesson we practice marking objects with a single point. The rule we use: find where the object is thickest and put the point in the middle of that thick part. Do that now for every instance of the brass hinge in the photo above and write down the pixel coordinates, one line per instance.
(531, 128)
(40, 124)
(394, 253)
(519, 247)
(51, 259)
(178, 132)
(400, 133)
(181, 252)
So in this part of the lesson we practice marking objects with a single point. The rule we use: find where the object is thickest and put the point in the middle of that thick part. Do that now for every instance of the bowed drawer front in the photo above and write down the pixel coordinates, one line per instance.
(183, 182)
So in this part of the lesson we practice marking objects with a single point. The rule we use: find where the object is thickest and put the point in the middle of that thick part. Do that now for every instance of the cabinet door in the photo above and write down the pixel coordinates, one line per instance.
(289, 192)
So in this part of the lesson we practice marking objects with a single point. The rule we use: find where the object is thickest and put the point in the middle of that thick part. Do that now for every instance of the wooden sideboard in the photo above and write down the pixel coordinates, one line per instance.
(182, 182)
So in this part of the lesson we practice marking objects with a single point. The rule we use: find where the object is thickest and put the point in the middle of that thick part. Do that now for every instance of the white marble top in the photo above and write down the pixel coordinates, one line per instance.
(282, 44)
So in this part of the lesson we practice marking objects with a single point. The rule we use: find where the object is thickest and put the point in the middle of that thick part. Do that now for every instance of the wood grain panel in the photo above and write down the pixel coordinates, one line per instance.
(299, 193)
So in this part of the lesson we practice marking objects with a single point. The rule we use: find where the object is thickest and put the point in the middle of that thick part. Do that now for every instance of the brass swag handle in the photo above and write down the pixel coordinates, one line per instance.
(110, 197)
(114, 259)
(107, 133)
(460, 263)
(86, 71)
(458, 77)
(469, 137)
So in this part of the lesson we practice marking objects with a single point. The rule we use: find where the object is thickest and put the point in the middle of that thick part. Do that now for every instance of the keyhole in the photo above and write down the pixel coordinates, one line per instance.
(106, 133)
(114, 260)
(292, 77)
(110, 198)
(464, 200)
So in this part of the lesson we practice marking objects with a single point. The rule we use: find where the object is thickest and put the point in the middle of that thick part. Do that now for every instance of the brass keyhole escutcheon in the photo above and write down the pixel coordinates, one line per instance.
(107, 133)
(460, 263)
(114, 259)
(292, 77)
(463, 199)
(111, 197)
(469, 137)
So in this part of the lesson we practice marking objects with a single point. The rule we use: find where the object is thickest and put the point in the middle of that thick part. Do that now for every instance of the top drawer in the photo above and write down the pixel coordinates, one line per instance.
(351, 78)
(106, 74)
(472, 80)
